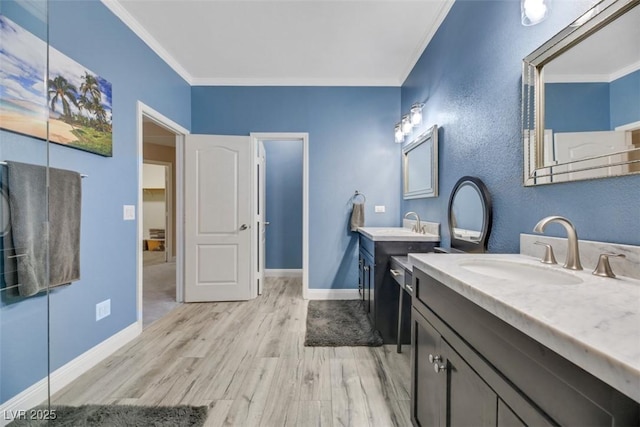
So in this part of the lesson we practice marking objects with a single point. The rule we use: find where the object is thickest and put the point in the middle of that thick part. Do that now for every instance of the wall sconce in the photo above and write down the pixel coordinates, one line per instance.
(398, 133)
(416, 114)
(534, 11)
(406, 124)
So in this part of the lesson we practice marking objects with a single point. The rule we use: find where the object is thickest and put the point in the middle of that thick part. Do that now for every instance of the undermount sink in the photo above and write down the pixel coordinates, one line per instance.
(519, 272)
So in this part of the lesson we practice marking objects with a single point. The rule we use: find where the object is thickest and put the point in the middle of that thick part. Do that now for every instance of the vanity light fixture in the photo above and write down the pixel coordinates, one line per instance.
(534, 11)
(398, 133)
(416, 114)
(406, 124)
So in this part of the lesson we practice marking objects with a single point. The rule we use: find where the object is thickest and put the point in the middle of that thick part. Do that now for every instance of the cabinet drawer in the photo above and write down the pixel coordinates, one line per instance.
(397, 272)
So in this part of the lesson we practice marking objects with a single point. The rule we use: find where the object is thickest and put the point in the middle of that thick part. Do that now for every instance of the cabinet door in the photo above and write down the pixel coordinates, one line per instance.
(367, 280)
(428, 388)
(470, 401)
(361, 277)
(506, 417)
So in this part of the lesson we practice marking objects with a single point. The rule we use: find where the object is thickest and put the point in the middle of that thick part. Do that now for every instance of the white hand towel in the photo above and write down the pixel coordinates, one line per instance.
(357, 216)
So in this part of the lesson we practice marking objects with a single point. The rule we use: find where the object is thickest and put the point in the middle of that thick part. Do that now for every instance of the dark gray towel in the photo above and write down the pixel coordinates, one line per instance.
(28, 207)
(357, 216)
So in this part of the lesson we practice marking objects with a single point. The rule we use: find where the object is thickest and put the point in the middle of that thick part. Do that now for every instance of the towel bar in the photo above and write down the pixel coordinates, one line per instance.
(356, 194)
(81, 175)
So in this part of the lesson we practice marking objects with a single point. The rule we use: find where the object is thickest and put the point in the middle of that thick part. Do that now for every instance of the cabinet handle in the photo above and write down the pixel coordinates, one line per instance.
(360, 263)
(395, 272)
(434, 359)
(439, 368)
(410, 288)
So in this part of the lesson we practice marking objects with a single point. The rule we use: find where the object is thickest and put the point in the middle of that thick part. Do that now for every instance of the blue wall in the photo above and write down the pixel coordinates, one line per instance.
(283, 246)
(470, 79)
(582, 107)
(89, 33)
(576, 107)
(350, 148)
(625, 99)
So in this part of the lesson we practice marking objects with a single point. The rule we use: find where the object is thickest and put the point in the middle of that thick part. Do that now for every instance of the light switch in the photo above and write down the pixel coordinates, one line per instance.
(380, 209)
(129, 212)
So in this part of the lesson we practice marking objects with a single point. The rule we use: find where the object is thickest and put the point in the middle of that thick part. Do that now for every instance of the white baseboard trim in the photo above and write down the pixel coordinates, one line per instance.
(280, 272)
(333, 294)
(37, 393)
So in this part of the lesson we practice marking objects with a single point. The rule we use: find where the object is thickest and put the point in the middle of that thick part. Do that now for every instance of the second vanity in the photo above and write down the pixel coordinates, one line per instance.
(503, 340)
(378, 290)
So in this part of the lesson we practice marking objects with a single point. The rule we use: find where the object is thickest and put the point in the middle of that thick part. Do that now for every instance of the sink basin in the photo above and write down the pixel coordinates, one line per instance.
(519, 272)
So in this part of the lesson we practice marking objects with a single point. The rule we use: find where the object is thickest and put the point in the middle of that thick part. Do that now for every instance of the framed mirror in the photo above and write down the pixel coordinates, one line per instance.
(420, 166)
(581, 98)
(470, 215)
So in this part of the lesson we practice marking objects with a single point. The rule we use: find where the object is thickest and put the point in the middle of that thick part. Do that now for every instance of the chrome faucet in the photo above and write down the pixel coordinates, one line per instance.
(572, 261)
(417, 227)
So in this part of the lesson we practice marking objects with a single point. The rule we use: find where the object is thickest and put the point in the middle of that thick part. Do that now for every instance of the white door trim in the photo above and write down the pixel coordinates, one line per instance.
(288, 136)
(168, 200)
(144, 110)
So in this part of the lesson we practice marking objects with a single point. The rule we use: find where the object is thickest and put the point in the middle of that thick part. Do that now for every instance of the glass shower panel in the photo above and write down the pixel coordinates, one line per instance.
(24, 115)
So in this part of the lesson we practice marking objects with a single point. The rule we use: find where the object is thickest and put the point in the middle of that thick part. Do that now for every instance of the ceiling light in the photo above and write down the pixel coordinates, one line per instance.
(534, 11)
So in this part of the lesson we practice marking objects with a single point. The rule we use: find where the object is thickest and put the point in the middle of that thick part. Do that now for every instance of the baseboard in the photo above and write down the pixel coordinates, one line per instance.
(333, 294)
(61, 377)
(280, 272)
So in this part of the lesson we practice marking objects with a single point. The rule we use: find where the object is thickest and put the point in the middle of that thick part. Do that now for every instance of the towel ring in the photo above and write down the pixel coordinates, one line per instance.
(356, 194)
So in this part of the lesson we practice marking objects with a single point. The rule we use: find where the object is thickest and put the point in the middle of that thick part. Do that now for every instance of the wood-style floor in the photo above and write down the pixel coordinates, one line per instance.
(248, 363)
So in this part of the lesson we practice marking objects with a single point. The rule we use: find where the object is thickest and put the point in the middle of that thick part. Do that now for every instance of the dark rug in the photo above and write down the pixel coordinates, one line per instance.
(339, 323)
(114, 416)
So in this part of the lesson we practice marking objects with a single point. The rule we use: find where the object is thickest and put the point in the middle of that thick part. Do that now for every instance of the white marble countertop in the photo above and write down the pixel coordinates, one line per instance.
(396, 234)
(595, 323)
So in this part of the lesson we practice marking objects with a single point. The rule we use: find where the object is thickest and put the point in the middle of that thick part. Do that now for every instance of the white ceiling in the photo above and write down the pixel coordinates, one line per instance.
(291, 42)
(608, 54)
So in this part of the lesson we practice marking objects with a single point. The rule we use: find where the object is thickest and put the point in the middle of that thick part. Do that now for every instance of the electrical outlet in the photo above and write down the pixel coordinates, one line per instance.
(128, 212)
(103, 309)
(380, 209)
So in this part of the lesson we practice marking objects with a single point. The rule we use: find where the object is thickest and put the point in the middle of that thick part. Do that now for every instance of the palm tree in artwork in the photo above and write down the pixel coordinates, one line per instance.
(61, 90)
(90, 86)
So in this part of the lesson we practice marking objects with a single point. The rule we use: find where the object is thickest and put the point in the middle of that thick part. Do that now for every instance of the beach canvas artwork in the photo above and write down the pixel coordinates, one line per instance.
(73, 100)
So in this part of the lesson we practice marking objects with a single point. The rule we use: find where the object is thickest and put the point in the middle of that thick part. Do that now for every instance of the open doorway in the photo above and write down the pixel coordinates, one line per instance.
(282, 213)
(158, 217)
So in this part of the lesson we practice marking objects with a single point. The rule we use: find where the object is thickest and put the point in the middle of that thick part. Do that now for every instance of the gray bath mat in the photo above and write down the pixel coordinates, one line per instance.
(114, 416)
(339, 323)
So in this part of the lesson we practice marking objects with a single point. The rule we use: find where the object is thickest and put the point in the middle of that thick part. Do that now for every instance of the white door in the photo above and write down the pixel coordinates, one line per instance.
(217, 218)
(262, 216)
(573, 146)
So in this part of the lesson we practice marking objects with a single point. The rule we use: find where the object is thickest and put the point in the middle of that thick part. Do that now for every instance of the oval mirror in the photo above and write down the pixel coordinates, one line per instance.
(469, 215)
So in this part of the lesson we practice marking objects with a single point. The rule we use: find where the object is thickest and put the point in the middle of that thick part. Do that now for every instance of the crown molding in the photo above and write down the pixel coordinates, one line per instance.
(413, 60)
(117, 9)
(199, 81)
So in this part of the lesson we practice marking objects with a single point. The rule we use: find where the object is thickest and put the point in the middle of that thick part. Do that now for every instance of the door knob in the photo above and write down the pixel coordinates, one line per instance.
(267, 223)
(243, 227)
(439, 368)
(434, 359)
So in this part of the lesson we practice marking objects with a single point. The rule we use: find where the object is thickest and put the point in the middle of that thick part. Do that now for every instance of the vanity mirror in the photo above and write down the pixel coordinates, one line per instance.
(470, 215)
(420, 166)
(581, 98)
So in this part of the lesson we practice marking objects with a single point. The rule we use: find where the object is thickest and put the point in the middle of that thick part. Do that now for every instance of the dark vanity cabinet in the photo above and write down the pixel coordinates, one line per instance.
(469, 368)
(378, 290)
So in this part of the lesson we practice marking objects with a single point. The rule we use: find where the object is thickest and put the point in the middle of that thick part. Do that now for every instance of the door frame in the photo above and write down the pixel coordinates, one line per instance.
(143, 110)
(168, 200)
(303, 137)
